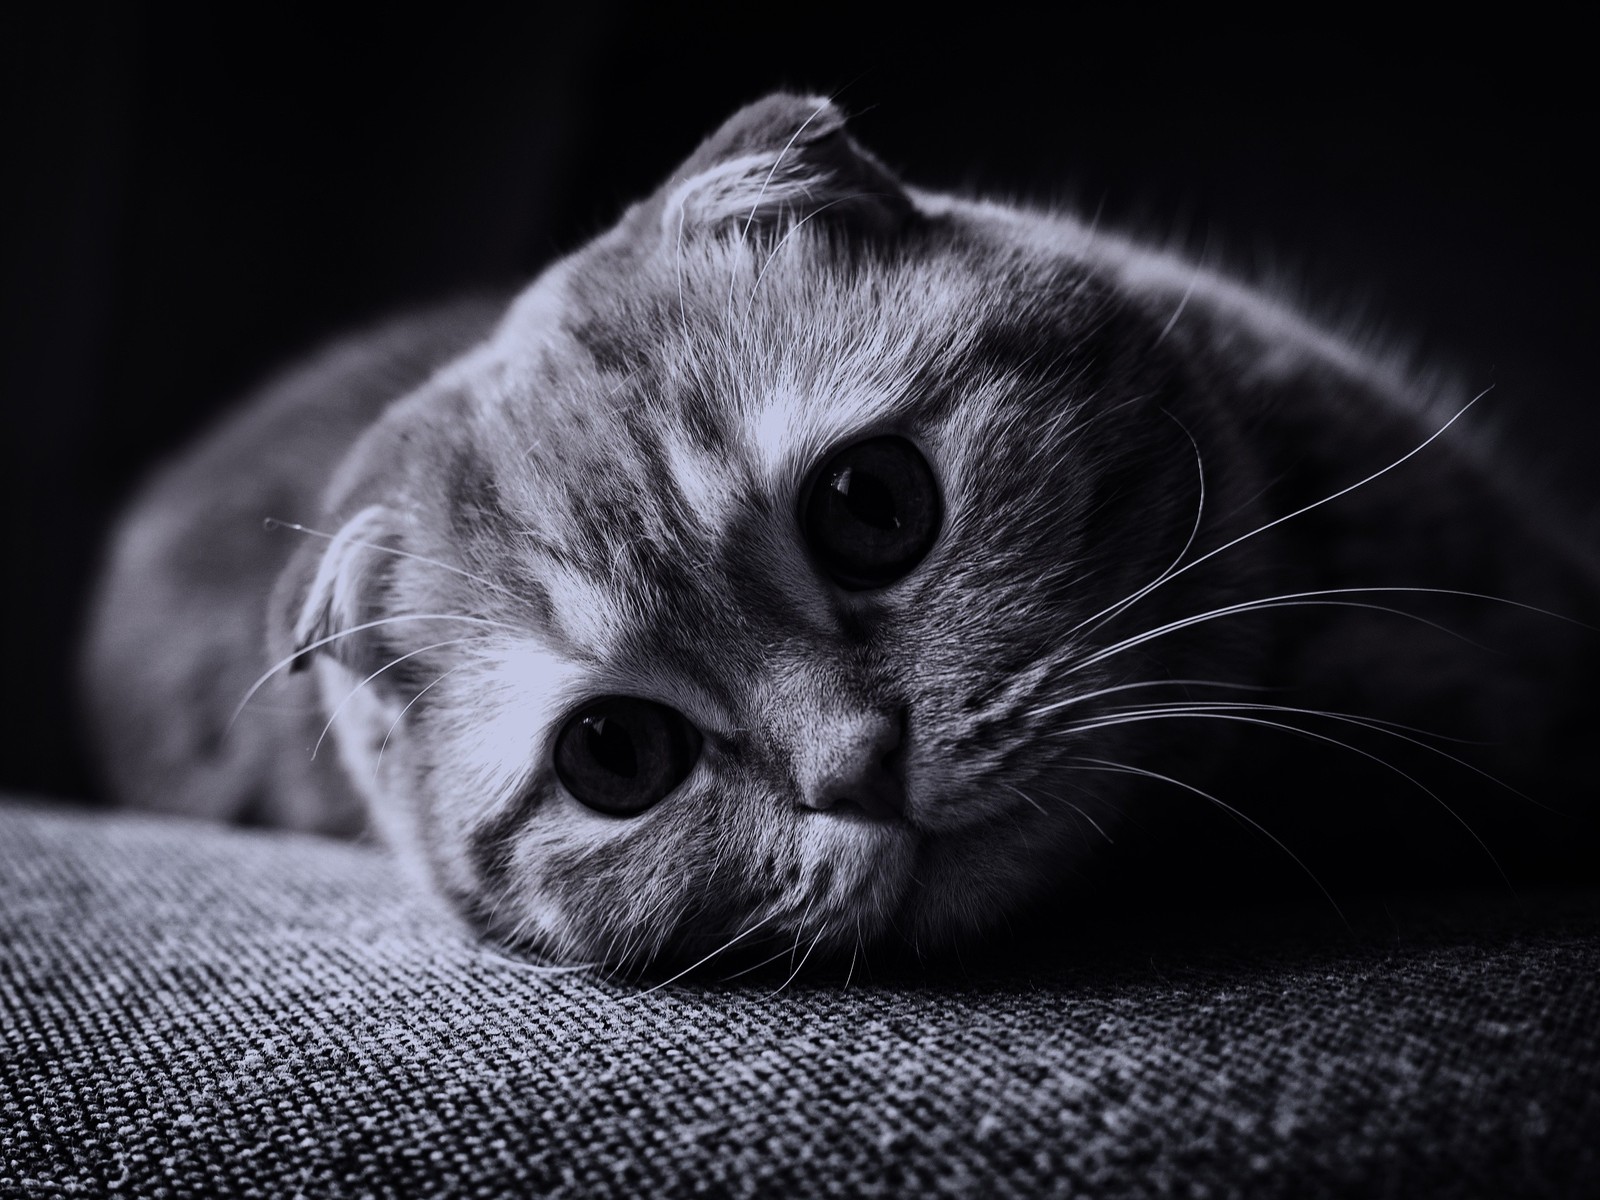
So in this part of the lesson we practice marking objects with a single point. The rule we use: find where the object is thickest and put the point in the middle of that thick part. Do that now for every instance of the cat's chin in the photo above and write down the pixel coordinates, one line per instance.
(968, 881)
(858, 875)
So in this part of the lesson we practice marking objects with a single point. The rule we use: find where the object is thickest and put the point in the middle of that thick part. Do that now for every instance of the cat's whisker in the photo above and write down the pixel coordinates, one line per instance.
(1254, 497)
(644, 924)
(1076, 816)
(1082, 812)
(639, 928)
(609, 954)
(395, 551)
(631, 939)
(516, 935)
(855, 951)
(1083, 697)
(1113, 610)
(1323, 597)
(800, 925)
(793, 975)
(488, 952)
(1377, 724)
(755, 205)
(289, 659)
(1100, 764)
(1027, 798)
(792, 230)
(631, 944)
(1306, 733)
(1331, 497)
(395, 724)
(1076, 410)
(780, 952)
(1183, 302)
(694, 966)
(487, 919)
(393, 662)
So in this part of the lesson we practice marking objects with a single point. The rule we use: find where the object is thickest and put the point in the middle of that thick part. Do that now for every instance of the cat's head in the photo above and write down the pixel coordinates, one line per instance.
(744, 585)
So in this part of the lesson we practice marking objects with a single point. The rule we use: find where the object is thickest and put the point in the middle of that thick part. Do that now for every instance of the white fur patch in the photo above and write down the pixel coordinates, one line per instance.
(705, 482)
(748, 185)
(518, 692)
(586, 612)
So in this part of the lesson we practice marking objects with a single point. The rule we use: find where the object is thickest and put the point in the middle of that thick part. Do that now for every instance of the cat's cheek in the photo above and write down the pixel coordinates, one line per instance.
(359, 732)
(571, 885)
(946, 800)
(966, 884)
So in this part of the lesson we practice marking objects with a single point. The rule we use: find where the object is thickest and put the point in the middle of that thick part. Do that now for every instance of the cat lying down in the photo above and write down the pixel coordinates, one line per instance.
(818, 563)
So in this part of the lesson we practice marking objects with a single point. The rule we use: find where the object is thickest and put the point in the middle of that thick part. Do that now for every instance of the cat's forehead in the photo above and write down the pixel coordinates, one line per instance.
(727, 371)
(649, 424)
(644, 450)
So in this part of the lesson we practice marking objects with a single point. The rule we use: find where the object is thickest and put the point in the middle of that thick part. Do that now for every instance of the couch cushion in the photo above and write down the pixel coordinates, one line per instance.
(189, 1010)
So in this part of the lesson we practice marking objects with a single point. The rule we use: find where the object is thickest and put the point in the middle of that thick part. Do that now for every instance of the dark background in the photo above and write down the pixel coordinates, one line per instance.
(193, 199)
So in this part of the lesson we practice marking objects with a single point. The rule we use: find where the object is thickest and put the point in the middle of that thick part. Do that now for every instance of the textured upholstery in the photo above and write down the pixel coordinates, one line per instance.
(193, 1011)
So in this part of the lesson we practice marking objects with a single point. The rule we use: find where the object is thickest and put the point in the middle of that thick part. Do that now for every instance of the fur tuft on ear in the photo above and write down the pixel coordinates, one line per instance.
(783, 159)
(339, 597)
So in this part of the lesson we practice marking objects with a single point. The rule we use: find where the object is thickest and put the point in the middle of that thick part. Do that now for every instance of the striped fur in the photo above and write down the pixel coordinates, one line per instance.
(600, 497)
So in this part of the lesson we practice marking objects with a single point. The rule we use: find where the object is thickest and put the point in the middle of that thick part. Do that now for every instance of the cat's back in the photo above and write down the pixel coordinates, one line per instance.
(178, 623)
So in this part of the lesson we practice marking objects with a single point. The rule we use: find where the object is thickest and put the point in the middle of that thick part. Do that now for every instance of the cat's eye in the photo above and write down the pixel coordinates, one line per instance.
(620, 755)
(872, 512)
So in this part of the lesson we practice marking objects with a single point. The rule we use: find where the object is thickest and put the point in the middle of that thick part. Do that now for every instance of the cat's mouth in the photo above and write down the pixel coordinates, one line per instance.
(848, 884)
(946, 869)
(943, 802)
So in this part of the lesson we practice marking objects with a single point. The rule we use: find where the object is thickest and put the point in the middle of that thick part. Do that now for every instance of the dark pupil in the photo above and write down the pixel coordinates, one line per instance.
(869, 500)
(622, 754)
(873, 513)
(611, 746)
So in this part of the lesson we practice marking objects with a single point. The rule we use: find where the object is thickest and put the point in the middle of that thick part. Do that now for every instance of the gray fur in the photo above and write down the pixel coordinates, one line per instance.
(595, 493)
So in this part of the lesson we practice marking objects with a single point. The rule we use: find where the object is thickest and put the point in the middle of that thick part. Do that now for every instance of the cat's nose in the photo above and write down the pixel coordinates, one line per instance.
(856, 770)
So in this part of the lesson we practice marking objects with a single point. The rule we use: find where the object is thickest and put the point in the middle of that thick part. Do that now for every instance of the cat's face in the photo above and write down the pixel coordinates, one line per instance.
(749, 571)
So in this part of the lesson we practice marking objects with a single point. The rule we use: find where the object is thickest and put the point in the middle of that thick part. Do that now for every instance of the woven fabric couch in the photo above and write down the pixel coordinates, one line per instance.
(194, 1011)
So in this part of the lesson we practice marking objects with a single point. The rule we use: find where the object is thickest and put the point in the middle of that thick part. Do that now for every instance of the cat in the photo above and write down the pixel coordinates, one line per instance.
(818, 562)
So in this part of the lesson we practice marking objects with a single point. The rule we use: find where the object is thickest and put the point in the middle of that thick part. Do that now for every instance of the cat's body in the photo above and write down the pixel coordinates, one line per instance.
(633, 483)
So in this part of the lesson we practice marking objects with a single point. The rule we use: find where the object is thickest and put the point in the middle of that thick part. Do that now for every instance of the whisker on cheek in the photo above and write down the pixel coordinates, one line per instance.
(764, 578)
(393, 662)
(364, 627)
(1096, 764)
(720, 950)
(1305, 733)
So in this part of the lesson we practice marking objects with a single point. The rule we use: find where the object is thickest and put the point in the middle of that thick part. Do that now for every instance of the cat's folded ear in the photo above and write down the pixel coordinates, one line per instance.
(328, 594)
(779, 161)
